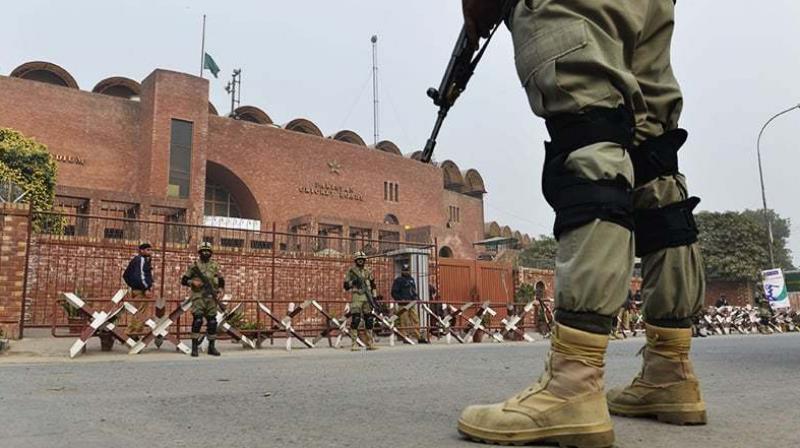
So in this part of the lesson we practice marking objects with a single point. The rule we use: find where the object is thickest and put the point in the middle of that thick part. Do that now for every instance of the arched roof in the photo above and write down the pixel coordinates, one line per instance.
(304, 126)
(506, 232)
(474, 183)
(252, 114)
(493, 230)
(118, 86)
(348, 137)
(453, 180)
(211, 109)
(388, 146)
(45, 72)
(416, 155)
(526, 240)
(518, 236)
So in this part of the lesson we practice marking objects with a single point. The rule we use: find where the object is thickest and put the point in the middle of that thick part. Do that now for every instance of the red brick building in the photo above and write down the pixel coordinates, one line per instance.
(159, 150)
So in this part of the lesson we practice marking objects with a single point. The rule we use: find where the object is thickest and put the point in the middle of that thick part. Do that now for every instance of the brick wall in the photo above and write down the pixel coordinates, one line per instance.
(738, 292)
(547, 277)
(13, 242)
(125, 148)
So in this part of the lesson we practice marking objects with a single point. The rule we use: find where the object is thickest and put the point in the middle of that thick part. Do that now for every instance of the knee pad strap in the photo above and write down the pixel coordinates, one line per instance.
(576, 200)
(669, 226)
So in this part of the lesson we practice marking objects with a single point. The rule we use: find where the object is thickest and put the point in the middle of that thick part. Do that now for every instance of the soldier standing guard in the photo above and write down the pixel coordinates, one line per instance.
(599, 73)
(360, 281)
(205, 279)
(404, 290)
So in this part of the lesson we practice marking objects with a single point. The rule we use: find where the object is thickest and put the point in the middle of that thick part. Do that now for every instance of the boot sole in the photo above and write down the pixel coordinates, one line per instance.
(587, 436)
(673, 414)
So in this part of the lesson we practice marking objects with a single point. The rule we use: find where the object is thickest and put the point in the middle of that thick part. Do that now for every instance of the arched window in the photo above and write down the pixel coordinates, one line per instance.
(391, 219)
(220, 202)
(446, 252)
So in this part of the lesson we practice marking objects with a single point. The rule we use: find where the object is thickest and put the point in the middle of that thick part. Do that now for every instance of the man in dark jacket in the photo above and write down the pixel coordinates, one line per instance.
(404, 290)
(139, 277)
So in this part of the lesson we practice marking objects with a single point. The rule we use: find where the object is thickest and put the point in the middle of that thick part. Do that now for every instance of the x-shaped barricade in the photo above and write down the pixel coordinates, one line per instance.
(100, 320)
(159, 330)
(389, 322)
(510, 324)
(286, 323)
(446, 322)
(233, 332)
(339, 324)
(475, 323)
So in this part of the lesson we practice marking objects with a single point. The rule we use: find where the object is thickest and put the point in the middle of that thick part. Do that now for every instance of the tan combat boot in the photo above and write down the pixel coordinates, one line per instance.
(370, 341)
(666, 389)
(566, 406)
(354, 347)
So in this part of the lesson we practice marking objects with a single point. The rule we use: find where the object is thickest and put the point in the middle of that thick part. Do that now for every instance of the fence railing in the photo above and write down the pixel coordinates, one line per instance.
(88, 254)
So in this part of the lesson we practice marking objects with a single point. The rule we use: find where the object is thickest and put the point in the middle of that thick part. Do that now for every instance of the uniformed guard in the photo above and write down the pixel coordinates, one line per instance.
(205, 279)
(404, 290)
(361, 283)
(599, 73)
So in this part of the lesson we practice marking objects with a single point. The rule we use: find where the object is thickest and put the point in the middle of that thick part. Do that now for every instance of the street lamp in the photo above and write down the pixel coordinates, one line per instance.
(761, 176)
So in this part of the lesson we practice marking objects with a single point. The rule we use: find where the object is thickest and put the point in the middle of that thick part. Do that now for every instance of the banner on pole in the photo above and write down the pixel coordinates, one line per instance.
(775, 288)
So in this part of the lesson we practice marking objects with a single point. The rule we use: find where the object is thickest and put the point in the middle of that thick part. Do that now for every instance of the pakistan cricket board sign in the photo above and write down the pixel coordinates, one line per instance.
(332, 190)
(775, 288)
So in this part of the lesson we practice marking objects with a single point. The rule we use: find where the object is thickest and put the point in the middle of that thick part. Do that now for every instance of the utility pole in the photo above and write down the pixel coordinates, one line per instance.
(375, 101)
(234, 89)
(770, 239)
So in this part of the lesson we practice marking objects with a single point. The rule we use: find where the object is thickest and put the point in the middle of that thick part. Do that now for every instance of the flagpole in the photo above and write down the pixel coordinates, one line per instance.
(203, 47)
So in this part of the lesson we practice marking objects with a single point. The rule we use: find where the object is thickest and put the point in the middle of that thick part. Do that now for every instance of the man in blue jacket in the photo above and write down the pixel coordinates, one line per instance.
(139, 277)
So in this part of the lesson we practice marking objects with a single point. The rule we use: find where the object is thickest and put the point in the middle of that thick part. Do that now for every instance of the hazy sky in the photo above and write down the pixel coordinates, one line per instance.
(738, 62)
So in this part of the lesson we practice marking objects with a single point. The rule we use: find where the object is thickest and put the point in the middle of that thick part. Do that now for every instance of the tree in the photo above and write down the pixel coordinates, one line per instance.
(734, 244)
(540, 254)
(29, 165)
(781, 230)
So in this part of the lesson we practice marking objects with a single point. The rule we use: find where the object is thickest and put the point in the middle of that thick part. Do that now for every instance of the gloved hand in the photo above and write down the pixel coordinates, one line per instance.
(479, 17)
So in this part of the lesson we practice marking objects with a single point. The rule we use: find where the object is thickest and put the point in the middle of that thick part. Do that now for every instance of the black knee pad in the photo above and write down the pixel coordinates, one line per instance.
(672, 225)
(197, 323)
(356, 321)
(576, 200)
(211, 325)
(369, 321)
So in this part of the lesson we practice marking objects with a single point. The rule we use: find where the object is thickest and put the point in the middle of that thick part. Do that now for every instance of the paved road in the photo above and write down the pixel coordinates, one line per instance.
(398, 397)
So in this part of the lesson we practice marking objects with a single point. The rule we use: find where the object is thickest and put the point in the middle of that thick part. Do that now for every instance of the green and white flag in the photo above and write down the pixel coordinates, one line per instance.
(210, 65)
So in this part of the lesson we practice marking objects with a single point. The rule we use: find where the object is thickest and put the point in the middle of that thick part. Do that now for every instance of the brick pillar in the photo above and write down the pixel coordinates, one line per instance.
(13, 249)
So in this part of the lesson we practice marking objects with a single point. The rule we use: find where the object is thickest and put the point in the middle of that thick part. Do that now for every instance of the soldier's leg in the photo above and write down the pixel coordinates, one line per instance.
(369, 325)
(355, 325)
(211, 326)
(572, 58)
(197, 324)
(672, 267)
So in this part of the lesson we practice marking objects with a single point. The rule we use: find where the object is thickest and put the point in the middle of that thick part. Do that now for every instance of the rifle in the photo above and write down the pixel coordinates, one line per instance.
(458, 73)
(208, 287)
(362, 286)
(544, 314)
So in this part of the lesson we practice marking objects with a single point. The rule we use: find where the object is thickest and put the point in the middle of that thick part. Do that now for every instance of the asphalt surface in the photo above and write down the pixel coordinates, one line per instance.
(395, 397)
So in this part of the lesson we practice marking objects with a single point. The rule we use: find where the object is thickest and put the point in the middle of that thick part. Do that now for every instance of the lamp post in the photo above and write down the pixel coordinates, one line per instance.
(761, 176)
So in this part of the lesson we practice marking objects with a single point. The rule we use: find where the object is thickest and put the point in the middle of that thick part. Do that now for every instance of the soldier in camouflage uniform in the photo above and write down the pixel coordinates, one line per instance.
(599, 73)
(204, 297)
(360, 281)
